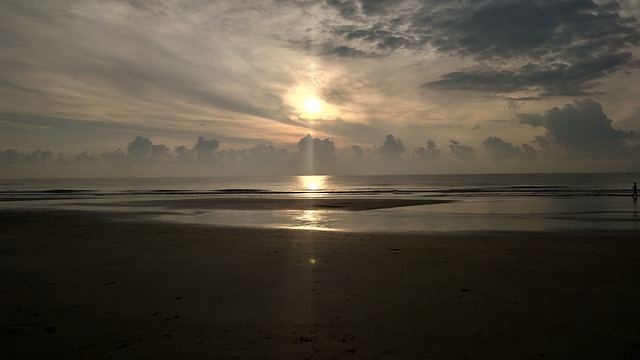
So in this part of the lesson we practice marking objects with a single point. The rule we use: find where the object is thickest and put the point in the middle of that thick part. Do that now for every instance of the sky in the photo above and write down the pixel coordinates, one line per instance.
(92, 88)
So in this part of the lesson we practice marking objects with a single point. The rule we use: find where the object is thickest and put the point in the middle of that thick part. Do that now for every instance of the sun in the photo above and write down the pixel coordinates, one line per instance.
(306, 103)
(312, 105)
(312, 182)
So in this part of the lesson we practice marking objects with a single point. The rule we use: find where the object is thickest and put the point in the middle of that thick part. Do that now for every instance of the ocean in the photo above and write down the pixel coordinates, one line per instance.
(475, 202)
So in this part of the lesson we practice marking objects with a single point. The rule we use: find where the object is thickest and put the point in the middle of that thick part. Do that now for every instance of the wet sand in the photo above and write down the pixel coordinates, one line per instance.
(80, 285)
(351, 203)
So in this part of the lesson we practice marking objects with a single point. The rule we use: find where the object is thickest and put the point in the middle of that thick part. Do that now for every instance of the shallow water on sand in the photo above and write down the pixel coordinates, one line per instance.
(509, 202)
(496, 214)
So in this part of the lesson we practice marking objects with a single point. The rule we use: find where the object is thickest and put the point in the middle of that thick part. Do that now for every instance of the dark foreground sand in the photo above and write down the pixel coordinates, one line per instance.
(77, 285)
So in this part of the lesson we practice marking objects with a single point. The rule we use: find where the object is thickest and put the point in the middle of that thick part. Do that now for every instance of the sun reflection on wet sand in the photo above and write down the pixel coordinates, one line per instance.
(311, 220)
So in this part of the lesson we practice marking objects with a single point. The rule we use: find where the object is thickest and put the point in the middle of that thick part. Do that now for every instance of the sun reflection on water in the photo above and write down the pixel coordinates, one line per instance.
(312, 183)
(312, 186)
(311, 220)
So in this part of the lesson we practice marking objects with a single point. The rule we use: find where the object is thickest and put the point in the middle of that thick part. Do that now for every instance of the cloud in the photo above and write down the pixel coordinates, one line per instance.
(496, 29)
(354, 9)
(392, 148)
(378, 7)
(316, 149)
(582, 130)
(579, 131)
(344, 51)
(12, 157)
(630, 7)
(498, 150)
(83, 157)
(534, 120)
(346, 8)
(151, 58)
(160, 152)
(462, 152)
(175, 71)
(428, 153)
(544, 48)
(139, 148)
(265, 159)
(204, 149)
(528, 48)
(267, 153)
(541, 80)
(142, 151)
(185, 155)
(358, 152)
(139, 151)
(204, 155)
(203, 152)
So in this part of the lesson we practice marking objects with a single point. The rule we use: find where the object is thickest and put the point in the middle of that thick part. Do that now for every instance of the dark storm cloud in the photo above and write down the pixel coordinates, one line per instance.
(582, 131)
(542, 47)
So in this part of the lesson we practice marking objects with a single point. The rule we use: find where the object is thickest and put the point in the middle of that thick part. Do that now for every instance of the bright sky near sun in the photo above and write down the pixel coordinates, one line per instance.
(312, 105)
(197, 87)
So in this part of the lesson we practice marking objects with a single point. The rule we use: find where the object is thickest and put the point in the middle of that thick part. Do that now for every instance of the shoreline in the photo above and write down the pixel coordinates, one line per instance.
(352, 203)
(79, 284)
(255, 202)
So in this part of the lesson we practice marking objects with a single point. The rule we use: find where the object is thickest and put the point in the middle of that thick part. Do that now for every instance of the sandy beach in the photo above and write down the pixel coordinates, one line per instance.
(98, 286)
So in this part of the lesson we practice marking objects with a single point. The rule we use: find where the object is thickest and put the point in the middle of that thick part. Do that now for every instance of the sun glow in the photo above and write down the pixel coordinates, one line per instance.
(312, 182)
(312, 105)
(307, 105)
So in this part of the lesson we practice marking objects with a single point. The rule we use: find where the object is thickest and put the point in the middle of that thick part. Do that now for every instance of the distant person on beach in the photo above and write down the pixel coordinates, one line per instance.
(635, 191)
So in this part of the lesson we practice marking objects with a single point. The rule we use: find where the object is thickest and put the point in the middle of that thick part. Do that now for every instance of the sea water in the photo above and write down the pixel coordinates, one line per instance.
(478, 202)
